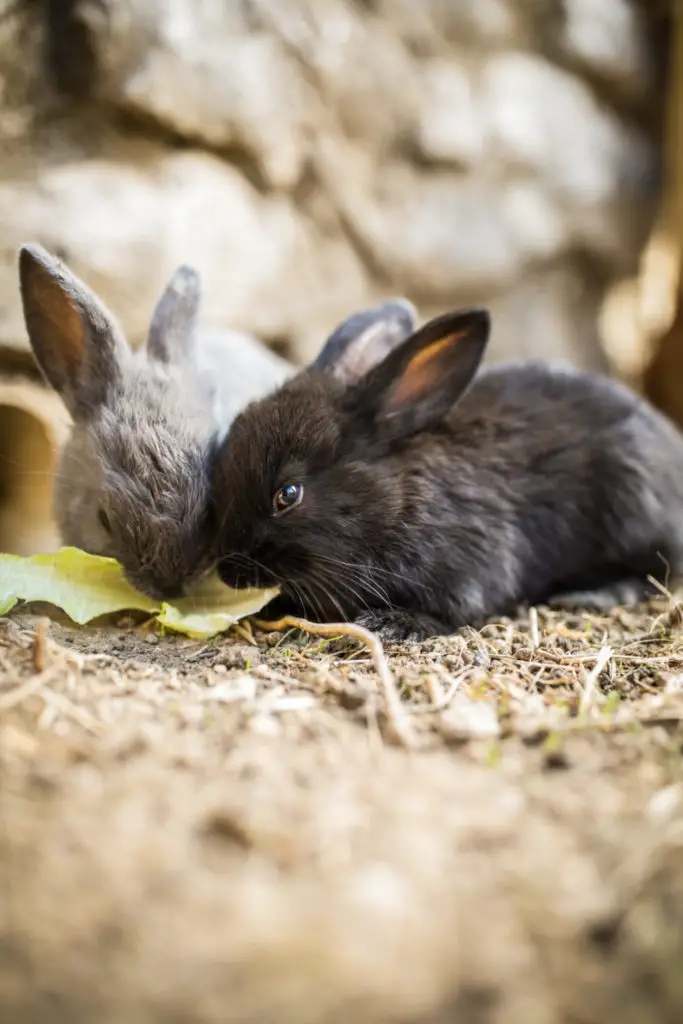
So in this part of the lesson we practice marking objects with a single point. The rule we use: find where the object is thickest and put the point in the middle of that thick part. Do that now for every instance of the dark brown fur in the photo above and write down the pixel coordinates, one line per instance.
(454, 505)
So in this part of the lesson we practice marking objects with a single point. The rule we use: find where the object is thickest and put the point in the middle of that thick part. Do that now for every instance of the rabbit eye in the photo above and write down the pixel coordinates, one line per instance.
(104, 520)
(287, 497)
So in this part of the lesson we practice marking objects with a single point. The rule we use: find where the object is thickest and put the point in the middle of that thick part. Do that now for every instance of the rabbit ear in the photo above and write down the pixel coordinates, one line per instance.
(364, 339)
(418, 383)
(75, 339)
(173, 322)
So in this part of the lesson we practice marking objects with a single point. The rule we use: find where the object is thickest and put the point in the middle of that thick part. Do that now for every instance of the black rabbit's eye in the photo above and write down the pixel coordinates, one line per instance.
(286, 498)
(104, 520)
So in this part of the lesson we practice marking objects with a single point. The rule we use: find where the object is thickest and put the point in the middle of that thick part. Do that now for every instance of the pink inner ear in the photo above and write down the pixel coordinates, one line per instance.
(65, 321)
(423, 370)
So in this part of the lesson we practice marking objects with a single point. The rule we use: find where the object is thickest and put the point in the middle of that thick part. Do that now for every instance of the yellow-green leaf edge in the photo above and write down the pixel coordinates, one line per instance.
(87, 586)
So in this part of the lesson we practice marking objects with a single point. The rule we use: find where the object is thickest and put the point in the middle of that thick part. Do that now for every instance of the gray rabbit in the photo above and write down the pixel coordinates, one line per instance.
(132, 481)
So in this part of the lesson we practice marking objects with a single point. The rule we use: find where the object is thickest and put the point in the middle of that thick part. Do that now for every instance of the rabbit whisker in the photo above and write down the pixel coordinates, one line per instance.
(321, 583)
(313, 601)
(373, 569)
(299, 596)
(366, 583)
(344, 585)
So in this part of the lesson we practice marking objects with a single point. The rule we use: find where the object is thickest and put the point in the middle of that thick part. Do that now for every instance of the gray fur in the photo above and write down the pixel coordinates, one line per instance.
(79, 346)
(250, 368)
(145, 422)
(171, 332)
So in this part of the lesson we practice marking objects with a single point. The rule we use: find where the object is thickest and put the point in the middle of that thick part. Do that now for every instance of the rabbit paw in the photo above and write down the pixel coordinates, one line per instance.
(397, 625)
(605, 599)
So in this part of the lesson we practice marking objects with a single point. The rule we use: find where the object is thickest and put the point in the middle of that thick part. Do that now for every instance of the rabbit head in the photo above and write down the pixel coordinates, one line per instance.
(132, 481)
(309, 486)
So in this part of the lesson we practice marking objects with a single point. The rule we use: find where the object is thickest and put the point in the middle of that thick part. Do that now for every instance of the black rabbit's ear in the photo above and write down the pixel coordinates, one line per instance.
(418, 383)
(173, 322)
(364, 339)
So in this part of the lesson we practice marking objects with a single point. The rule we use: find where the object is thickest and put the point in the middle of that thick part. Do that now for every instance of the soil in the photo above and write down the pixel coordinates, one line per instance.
(197, 832)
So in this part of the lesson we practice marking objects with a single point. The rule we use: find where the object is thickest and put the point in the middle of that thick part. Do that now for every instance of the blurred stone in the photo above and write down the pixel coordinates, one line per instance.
(367, 80)
(20, 31)
(429, 234)
(484, 23)
(312, 156)
(489, 22)
(546, 123)
(451, 129)
(558, 304)
(198, 71)
(534, 219)
(608, 40)
(253, 252)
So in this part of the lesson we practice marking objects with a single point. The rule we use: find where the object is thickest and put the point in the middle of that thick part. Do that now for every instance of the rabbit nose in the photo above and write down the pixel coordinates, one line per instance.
(237, 576)
(158, 587)
(163, 590)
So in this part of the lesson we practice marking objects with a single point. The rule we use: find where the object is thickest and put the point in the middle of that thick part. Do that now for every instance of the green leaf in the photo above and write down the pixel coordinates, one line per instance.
(82, 585)
(212, 608)
(87, 586)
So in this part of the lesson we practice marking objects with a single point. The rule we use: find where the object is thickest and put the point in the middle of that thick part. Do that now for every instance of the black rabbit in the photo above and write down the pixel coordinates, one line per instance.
(385, 485)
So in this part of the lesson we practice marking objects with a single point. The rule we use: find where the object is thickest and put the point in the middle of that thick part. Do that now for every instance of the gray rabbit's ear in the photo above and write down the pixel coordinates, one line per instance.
(171, 331)
(364, 339)
(75, 339)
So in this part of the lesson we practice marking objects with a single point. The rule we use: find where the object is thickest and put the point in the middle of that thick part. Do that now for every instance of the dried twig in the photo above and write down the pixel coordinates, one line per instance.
(533, 629)
(670, 621)
(39, 645)
(26, 689)
(84, 718)
(396, 717)
(442, 699)
(592, 679)
(244, 632)
(663, 590)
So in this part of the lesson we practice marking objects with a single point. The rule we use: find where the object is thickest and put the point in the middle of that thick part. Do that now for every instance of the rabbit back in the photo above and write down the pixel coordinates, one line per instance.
(552, 481)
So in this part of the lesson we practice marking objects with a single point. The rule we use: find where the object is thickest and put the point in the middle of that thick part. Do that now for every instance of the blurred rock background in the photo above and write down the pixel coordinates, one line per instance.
(312, 156)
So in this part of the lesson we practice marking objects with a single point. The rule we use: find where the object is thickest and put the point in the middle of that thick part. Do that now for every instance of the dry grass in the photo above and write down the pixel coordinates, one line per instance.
(223, 831)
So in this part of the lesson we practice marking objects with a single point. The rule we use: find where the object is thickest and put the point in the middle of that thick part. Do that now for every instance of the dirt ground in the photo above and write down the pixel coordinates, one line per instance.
(196, 832)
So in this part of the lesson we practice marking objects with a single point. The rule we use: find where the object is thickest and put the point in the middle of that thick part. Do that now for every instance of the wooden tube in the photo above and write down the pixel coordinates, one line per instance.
(33, 426)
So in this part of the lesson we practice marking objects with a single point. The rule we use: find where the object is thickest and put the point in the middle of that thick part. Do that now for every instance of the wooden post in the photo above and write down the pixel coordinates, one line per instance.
(33, 426)
(663, 378)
